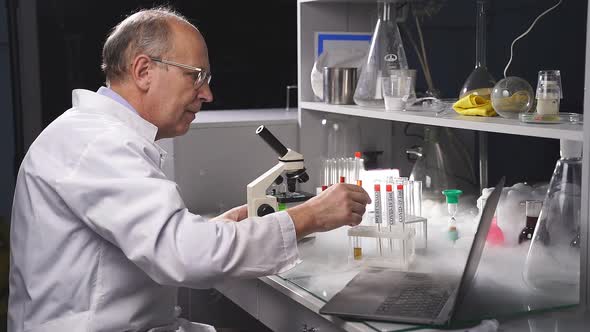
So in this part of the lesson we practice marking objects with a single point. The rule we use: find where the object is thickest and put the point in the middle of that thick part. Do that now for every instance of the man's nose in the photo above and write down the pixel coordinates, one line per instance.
(205, 94)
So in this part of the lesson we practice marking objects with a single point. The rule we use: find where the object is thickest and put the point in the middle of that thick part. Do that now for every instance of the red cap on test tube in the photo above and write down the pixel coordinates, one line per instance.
(342, 179)
(357, 154)
(388, 188)
(377, 187)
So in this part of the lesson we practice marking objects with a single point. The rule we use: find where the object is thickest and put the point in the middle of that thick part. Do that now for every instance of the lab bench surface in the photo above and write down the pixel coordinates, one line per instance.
(291, 301)
(283, 306)
(240, 118)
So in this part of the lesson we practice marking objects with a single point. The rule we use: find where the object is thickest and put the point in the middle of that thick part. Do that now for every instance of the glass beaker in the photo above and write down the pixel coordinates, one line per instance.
(386, 53)
(549, 92)
(480, 81)
(553, 261)
(398, 89)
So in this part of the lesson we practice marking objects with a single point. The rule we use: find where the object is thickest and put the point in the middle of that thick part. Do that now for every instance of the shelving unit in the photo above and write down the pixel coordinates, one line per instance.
(358, 15)
(275, 295)
(451, 119)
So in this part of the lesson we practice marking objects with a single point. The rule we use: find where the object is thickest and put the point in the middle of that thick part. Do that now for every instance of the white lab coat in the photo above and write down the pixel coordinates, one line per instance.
(101, 239)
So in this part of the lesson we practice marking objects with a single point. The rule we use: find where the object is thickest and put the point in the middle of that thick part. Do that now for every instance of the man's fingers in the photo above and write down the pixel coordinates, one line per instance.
(358, 208)
(355, 219)
(360, 197)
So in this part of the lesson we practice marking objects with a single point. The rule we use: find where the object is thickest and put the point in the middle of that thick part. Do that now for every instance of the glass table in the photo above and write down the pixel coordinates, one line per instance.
(498, 290)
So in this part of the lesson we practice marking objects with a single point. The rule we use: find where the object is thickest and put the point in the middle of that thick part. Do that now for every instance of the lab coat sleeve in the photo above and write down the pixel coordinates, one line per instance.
(118, 190)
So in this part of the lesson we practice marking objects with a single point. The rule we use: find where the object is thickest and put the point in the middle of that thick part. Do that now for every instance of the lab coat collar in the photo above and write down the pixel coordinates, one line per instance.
(91, 102)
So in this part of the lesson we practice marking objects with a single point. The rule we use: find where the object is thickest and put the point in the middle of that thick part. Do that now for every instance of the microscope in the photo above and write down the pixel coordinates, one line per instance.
(261, 204)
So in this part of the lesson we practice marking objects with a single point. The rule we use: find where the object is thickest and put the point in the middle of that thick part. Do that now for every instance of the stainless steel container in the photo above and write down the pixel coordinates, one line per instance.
(339, 85)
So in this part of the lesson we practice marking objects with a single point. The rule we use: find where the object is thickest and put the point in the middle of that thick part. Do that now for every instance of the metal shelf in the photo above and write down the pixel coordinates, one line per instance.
(451, 119)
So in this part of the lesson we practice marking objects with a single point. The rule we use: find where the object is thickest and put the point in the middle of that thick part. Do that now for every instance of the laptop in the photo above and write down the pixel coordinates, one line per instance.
(412, 297)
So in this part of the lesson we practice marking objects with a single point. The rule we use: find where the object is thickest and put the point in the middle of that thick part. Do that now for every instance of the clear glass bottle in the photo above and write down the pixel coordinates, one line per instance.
(480, 81)
(553, 261)
(386, 53)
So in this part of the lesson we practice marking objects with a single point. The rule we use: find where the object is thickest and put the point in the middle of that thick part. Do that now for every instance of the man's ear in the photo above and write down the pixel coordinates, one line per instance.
(141, 72)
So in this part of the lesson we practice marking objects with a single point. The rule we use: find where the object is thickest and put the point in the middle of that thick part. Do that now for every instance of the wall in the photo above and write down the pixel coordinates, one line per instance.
(213, 166)
(6, 120)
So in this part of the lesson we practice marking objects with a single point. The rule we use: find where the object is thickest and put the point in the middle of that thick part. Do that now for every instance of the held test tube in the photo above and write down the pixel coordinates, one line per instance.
(356, 240)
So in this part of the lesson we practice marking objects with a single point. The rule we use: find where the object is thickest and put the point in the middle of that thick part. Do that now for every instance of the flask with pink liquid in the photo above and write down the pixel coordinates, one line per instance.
(495, 235)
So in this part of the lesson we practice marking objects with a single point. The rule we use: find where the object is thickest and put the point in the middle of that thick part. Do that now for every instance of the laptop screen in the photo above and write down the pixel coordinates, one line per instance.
(479, 242)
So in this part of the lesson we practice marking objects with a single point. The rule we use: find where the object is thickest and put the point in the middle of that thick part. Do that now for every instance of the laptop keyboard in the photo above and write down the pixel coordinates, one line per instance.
(422, 301)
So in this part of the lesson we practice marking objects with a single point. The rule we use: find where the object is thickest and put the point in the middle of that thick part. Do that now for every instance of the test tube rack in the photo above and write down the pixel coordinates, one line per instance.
(420, 226)
(392, 247)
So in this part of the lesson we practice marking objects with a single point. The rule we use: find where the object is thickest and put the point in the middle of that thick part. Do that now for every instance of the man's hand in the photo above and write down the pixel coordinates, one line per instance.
(339, 205)
(236, 214)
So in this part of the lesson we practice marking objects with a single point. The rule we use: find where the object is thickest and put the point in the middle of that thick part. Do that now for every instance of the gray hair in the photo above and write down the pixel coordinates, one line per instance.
(144, 32)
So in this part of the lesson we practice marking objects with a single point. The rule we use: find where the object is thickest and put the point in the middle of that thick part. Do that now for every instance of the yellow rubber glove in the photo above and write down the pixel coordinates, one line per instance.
(474, 105)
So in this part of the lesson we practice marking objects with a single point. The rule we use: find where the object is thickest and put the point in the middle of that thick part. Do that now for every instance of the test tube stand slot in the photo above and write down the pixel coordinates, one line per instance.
(385, 246)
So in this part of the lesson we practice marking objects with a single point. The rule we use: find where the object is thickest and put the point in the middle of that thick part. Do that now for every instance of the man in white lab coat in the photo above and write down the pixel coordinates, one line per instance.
(100, 238)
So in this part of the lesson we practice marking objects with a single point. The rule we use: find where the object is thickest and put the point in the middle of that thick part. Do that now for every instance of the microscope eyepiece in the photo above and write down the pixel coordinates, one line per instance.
(271, 140)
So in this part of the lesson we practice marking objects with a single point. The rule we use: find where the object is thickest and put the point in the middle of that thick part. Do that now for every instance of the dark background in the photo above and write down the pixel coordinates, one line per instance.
(252, 48)
(253, 55)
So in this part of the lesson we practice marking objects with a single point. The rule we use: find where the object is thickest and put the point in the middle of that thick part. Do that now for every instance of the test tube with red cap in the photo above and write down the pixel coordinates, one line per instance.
(390, 205)
(401, 215)
(377, 202)
(358, 164)
(378, 214)
(390, 208)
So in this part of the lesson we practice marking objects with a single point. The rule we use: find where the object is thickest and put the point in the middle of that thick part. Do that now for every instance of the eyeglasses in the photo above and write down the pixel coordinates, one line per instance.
(200, 75)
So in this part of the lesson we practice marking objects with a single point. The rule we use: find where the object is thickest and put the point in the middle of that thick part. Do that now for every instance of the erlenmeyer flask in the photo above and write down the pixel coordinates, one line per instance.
(480, 81)
(441, 168)
(553, 261)
(386, 53)
(431, 165)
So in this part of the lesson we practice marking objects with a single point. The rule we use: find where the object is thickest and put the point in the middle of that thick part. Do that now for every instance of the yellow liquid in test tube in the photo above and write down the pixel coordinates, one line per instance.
(357, 248)
(358, 254)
